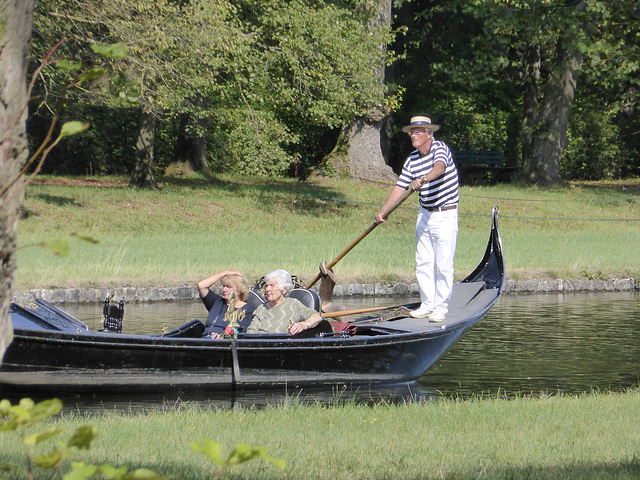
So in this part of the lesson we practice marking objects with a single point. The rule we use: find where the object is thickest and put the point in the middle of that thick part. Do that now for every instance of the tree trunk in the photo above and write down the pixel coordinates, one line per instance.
(143, 174)
(16, 21)
(530, 103)
(190, 144)
(358, 152)
(361, 150)
(550, 135)
(190, 151)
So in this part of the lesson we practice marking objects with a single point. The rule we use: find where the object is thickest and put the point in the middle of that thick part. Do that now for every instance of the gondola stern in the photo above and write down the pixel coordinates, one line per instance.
(491, 268)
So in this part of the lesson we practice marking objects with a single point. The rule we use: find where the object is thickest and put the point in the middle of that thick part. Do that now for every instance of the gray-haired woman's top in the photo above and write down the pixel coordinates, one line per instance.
(279, 319)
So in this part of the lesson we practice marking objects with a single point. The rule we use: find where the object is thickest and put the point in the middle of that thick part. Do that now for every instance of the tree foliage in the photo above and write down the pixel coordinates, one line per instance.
(270, 71)
(271, 83)
(478, 69)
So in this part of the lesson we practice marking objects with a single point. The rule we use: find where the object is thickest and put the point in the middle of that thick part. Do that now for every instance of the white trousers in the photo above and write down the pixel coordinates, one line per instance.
(436, 236)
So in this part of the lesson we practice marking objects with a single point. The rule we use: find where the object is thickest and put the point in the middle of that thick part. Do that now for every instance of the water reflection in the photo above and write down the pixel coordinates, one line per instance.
(391, 394)
(569, 343)
(527, 344)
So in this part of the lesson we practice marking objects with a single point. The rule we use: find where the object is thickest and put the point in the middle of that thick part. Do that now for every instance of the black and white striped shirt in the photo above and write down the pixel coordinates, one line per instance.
(440, 191)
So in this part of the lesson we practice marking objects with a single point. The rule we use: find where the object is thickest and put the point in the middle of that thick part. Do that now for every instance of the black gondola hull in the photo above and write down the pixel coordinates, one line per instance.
(55, 353)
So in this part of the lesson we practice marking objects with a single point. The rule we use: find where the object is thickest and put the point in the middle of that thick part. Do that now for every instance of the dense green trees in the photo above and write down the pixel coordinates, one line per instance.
(254, 87)
(551, 83)
(265, 80)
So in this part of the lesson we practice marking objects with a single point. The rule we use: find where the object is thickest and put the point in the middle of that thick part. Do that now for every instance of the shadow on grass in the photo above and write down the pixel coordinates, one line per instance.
(271, 193)
(54, 200)
(631, 186)
(57, 201)
(581, 470)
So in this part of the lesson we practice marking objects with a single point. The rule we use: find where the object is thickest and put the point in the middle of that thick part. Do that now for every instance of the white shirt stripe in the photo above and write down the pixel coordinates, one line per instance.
(440, 191)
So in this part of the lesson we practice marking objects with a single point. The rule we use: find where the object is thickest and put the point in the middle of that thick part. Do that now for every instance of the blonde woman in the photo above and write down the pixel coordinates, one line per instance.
(233, 282)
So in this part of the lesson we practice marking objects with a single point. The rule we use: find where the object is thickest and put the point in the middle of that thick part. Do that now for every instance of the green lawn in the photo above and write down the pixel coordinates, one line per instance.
(193, 227)
(593, 436)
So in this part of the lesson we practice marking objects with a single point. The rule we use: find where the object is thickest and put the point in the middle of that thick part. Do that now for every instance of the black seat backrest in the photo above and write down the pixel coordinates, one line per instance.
(309, 298)
(255, 299)
(193, 329)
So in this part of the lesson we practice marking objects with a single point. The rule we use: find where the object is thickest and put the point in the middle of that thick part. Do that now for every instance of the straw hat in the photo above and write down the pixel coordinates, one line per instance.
(424, 122)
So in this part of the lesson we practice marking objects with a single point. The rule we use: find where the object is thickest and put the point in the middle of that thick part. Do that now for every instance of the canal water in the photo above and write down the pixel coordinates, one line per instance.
(541, 344)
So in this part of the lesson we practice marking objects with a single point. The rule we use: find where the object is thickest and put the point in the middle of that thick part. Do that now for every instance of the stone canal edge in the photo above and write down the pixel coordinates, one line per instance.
(172, 294)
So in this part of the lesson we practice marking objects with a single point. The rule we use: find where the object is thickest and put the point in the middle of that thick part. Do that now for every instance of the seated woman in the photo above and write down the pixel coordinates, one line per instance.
(234, 284)
(282, 314)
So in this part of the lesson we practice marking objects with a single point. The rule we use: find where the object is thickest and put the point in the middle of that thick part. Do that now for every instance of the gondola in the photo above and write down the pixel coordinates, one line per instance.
(53, 352)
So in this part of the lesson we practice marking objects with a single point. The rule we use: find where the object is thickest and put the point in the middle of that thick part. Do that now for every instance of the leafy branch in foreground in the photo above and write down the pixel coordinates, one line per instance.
(68, 129)
(60, 246)
(241, 454)
(22, 417)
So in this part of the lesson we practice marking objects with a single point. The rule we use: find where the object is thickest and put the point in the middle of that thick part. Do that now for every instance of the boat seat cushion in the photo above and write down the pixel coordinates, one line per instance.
(255, 299)
(308, 298)
(193, 329)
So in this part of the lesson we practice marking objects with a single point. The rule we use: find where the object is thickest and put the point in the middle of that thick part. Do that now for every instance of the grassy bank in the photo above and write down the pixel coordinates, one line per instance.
(587, 437)
(193, 227)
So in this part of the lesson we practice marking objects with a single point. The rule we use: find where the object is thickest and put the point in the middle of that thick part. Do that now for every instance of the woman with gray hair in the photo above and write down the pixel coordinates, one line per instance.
(282, 314)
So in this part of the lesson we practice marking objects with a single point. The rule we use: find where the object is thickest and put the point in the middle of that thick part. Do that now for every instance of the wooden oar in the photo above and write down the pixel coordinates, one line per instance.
(405, 195)
(357, 311)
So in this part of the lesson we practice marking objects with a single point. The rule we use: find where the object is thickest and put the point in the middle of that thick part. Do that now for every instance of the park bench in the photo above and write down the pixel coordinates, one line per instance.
(482, 166)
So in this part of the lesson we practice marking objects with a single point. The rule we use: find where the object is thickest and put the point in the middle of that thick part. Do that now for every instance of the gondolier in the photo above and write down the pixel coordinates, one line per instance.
(431, 171)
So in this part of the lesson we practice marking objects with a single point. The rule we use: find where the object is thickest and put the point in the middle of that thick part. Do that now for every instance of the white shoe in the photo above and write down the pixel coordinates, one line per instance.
(421, 312)
(437, 317)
